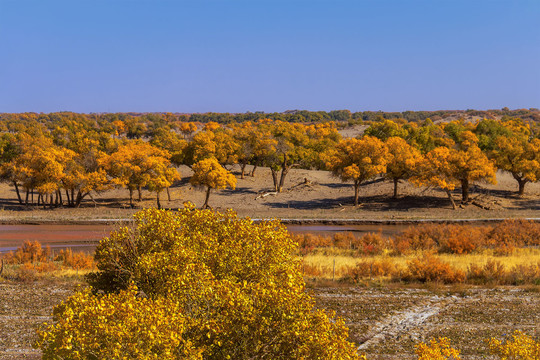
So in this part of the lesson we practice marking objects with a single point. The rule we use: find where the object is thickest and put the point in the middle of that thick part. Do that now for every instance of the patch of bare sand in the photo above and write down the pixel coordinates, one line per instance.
(322, 197)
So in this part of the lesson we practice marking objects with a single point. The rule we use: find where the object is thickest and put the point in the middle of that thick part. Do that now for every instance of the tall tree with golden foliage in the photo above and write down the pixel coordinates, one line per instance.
(135, 164)
(462, 164)
(210, 174)
(403, 161)
(519, 157)
(359, 160)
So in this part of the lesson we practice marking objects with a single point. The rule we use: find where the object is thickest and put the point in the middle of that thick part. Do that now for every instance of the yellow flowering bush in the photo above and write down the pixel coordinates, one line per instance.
(439, 349)
(228, 289)
(520, 347)
(116, 326)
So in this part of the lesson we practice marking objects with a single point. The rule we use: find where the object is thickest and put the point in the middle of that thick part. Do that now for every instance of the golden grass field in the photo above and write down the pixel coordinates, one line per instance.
(325, 259)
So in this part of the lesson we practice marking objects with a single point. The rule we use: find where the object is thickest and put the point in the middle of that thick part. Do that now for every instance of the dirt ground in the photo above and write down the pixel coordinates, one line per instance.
(385, 323)
(323, 197)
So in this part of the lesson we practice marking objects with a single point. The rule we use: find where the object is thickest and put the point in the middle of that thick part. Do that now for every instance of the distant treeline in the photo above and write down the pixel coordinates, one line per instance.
(138, 122)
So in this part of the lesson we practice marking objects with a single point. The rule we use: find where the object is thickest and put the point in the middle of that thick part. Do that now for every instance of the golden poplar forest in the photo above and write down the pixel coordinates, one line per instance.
(61, 159)
(204, 283)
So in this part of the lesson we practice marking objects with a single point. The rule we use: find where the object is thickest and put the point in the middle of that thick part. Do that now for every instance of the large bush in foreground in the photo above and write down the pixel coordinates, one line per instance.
(232, 287)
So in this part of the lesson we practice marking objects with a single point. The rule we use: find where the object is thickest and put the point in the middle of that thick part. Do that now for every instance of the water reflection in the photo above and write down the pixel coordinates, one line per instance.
(86, 237)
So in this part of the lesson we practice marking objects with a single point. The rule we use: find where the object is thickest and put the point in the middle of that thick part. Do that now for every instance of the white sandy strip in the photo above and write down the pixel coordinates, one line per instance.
(405, 321)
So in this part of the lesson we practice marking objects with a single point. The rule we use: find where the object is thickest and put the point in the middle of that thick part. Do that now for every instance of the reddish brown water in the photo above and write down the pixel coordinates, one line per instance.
(86, 237)
(80, 237)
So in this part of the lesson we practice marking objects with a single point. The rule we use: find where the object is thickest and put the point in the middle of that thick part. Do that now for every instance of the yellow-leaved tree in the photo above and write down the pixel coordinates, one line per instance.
(196, 284)
(519, 157)
(83, 172)
(402, 162)
(210, 174)
(462, 164)
(358, 160)
(137, 164)
(436, 170)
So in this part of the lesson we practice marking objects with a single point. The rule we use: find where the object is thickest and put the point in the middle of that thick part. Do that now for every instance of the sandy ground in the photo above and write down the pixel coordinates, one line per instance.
(385, 323)
(324, 197)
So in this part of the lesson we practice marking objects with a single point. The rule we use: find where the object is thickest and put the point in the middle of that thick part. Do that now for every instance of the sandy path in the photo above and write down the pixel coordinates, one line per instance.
(404, 322)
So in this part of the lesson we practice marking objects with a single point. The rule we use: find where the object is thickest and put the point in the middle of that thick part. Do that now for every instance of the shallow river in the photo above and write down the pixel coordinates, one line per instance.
(85, 237)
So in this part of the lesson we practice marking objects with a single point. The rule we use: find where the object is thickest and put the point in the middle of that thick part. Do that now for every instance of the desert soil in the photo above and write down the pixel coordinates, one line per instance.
(385, 323)
(322, 197)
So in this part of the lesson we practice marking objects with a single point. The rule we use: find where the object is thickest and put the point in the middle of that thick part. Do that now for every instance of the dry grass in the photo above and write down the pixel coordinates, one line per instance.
(320, 265)
(51, 272)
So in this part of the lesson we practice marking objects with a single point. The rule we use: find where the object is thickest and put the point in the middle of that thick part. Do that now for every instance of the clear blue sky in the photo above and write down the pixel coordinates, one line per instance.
(268, 55)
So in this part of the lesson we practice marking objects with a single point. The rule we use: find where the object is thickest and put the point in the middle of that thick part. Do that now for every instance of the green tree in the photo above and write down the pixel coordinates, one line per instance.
(386, 129)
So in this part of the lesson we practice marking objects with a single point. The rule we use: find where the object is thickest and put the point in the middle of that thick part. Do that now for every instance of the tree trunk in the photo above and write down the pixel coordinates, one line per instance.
(284, 172)
(73, 196)
(396, 181)
(68, 198)
(253, 171)
(32, 194)
(243, 169)
(521, 183)
(80, 197)
(18, 193)
(60, 200)
(205, 206)
(168, 195)
(451, 198)
(157, 198)
(274, 177)
(27, 195)
(131, 198)
(140, 193)
(521, 190)
(356, 188)
(465, 190)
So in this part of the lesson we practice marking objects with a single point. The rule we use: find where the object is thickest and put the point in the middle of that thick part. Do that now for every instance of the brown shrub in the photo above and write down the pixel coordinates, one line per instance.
(370, 244)
(26, 273)
(309, 242)
(431, 268)
(311, 270)
(28, 252)
(345, 240)
(460, 239)
(454, 239)
(524, 274)
(43, 267)
(78, 260)
(514, 233)
(421, 237)
(370, 269)
(492, 272)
